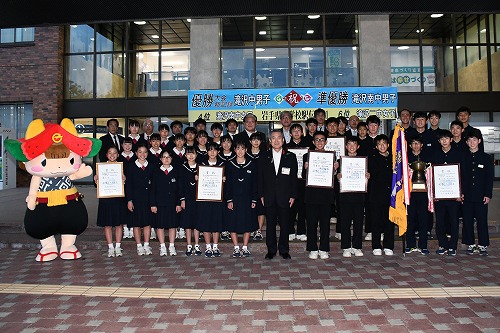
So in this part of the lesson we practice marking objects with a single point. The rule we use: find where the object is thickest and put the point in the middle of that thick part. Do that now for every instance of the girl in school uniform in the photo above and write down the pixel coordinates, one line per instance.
(187, 192)
(201, 146)
(165, 204)
(111, 213)
(255, 153)
(137, 188)
(127, 157)
(226, 153)
(211, 214)
(241, 198)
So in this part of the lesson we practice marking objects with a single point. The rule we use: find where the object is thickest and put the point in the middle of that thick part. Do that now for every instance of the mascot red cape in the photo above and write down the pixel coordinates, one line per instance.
(53, 154)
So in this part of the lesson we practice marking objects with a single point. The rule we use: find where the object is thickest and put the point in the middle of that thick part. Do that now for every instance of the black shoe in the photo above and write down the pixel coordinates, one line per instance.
(286, 256)
(269, 256)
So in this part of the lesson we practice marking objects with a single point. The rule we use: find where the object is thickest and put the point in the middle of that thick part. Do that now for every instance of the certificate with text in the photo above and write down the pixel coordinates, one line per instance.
(337, 145)
(353, 174)
(447, 185)
(210, 185)
(110, 180)
(320, 170)
(299, 153)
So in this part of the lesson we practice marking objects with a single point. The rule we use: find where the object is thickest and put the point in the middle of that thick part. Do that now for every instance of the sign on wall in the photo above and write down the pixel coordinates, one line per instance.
(267, 104)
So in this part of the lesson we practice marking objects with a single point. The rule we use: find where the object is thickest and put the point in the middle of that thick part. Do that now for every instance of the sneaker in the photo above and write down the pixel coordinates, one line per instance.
(368, 236)
(483, 250)
(216, 252)
(258, 236)
(357, 252)
(111, 252)
(225, 235)
(324, 255)
(333, 220)
(452, 252)
(302, 238)
(291, 237)
(347, 253)
(236, 253)
(313, 255)
(163, 251)
(209, 253)
(118, 252)
(148, 250)
(245, 253)
(338, 235)
(416, 235)
(381, 237)
(189, 252)
(182, 233)
(388, 252)
(197, 250)
(377, 252)
(172, 252)
(410, 250)
(153, 233)
(429, 235)
(470, 249)
(441, 251)
(425, 252)
(140, 250)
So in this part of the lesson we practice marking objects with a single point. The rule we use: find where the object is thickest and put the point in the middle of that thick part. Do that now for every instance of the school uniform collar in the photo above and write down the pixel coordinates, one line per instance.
(154, 152)
(124, 154)
(134, 137)
(236, 164)
(177, 152)
(141, 165)
(162, 168)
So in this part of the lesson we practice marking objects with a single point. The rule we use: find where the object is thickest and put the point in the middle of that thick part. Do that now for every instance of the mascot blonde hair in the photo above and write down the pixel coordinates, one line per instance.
(53, 154)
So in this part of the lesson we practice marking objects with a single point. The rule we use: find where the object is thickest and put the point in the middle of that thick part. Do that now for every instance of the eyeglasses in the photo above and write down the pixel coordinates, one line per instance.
(166, 157)
(319, 140)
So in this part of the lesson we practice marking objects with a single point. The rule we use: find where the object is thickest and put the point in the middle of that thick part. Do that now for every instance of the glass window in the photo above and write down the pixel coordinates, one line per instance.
(80, 39)
(307, 67)
(79, 76)
(272, 31)
(237, 68)
(7, 35)
(272, 68)
(405, 68)
(175, 67)
(144, 35)
(341, 29)
(110, 37)
(110, 82)
(306, 29)
(144, 74)
(237, 31)
(404, 29)
(342, 66)
(25, 35)
(16, 116)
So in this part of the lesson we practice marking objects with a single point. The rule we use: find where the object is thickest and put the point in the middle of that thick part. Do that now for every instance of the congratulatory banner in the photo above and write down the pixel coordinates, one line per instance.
(267, 104)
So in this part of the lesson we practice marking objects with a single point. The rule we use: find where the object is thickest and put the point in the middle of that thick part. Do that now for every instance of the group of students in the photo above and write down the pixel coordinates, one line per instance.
(160, 174)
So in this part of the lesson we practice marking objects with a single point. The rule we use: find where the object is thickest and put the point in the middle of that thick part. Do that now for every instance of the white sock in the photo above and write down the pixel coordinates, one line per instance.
(208, 246)
(146, 244)
(237, 247)
(139, 245)
(189, 247)
(162, 246)
(215, 246)
(118, 245)
(245, 247)
(110, 246)
(171, 245)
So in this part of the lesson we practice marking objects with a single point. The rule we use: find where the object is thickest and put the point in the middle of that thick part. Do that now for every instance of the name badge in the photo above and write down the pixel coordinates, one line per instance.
(429, 144)
(285, 171)
(480, 166)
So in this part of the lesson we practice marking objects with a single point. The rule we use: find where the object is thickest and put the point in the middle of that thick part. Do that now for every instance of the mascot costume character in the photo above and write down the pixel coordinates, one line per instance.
(53, 154)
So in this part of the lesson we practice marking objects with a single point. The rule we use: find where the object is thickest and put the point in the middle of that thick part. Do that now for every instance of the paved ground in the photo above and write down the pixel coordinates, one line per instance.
(409, 293)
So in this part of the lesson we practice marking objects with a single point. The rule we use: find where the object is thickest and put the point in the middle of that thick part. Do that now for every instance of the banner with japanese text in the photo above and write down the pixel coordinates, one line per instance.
(267, 104)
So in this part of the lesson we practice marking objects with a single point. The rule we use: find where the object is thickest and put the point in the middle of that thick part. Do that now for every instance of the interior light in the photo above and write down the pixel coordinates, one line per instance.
(155, 36)
(270, 57)
(260, 18)
(420, 31)
(436, 15)
(313, 17)
(262, 32)
(307, 48)
(140, 22)
(354, 48)
(403, 47)
(483, 30)
(260, 49)
(189, 20)
(310, 32)
(356, 31)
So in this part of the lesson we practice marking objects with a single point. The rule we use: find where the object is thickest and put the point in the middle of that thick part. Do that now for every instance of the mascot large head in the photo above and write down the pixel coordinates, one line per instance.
(53, 155)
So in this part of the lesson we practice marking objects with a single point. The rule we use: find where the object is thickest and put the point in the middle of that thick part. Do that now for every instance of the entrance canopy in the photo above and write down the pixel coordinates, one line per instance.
(15, 13)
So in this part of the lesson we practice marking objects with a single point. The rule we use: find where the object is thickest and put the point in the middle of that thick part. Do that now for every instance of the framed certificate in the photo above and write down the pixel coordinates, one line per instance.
(320, 170)
(299, 153)
(447, 184)
(210, 185)
(353, 174)
(110, 180)
(337, 145)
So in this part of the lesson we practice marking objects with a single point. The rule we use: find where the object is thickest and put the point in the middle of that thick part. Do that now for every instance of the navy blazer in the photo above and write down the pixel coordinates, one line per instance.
(277, 189)
(477, 176)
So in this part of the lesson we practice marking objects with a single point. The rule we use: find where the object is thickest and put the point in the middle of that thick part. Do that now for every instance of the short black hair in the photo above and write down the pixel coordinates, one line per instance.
(255, 135)
(434, 113)
(381, 137)
(216, 126)
(311, 120)
(457, 123)
(190, 129)
(190, 149)
(155, 136)
(318, 111)
(319, 133)
(362, 124)
(417, 138)
(179, 136)
(200, 121)
(175, 123)
(462, 109)
(373, 119)
(296, 125)
(202, 134)
(474, 133)
(419, 114)
(212, 146)
(351, 139)
(331, 120)
(111, 120)
(342, 119)
(444, 133)
(230, 120)
(133, 122)
(163, 127)
(127, 139)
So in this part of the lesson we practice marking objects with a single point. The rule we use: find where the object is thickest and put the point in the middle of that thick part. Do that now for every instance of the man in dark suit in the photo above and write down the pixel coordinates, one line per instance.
(111, 139)
(250, 123)
(277, 188)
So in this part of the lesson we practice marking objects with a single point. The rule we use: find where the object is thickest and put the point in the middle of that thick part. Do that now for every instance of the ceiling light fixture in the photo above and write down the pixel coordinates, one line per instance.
(189, 20)
(420, 31)
(262, 32)
(313, 17)
(155, 36)
(403, 47)
(260, 49)
(140, 22)
(436, 15)
(483, 30)
(310, 32)
(307, 48)
(271, 57)
(260, 18)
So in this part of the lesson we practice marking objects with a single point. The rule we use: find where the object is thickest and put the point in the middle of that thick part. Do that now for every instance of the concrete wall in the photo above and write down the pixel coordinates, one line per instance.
(34, 73)
(205, 70)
